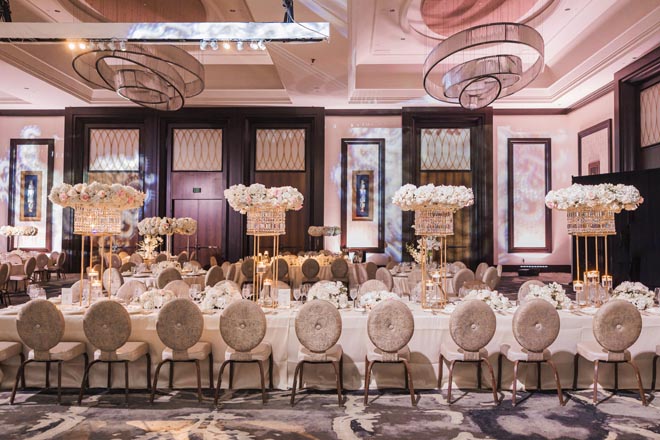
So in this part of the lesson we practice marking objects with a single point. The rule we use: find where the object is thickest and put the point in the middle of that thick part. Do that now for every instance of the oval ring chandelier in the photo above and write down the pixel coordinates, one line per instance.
(476, 66)
(159, 77)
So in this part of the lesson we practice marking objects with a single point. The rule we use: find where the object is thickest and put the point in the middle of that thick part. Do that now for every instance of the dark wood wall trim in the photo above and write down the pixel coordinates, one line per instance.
(363, 112)
(600, 126)
(31, 113)
(628, 82)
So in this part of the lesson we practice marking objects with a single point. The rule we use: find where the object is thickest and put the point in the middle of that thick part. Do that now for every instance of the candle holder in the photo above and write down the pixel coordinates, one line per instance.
(580, 299)
(265, 223)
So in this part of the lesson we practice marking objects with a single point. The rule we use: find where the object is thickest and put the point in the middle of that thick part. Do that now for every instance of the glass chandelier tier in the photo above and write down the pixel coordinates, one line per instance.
(476, 66)
(155, 76)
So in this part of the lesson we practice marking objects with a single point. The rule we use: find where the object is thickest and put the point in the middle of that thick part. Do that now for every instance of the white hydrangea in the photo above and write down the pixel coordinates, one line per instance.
(495, 300)
(554, 293)
(603, 196)
(97, 194)
(410, 198)
(10, 231)
(634, 292)
(219, 297)
(243, 198)
(332, 291)
(371, 299)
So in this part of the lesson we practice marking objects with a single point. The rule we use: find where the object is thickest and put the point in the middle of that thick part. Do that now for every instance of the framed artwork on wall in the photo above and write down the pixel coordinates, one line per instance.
(363, 194)
(595, 149)
(31, 163)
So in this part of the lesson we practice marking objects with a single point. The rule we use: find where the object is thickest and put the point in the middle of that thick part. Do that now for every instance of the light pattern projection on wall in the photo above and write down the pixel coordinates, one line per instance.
(197, 149)
(595, 154)
(393, 180)
(529, 195)
(280, 149)
(649, 113)
(445, 149)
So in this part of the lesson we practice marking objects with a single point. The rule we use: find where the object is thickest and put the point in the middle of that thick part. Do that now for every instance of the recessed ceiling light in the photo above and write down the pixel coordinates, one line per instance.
(403, 38)
(634, 58)
(567, 9)
(392, 10)
(72, 45)
(26, 88)
(232, 10)
(226, 45)
(239, 46)
(57, 11)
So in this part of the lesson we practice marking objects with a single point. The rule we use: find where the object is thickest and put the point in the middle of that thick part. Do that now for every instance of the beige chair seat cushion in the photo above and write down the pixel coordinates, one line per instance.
(130, 351)
(452, 352)
(18, 278)
(515, 352)
(376, 354)
(64, 351)
(592, 351)
(199, 351)
(333, 354)
(9, 350)
(260, 353)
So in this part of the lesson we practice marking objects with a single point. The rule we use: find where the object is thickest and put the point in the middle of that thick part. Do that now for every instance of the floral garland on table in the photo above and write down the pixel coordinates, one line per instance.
(219, 297)
(97, 194)
(334, 292)
(415, 251)
(411, 198)
(603, 196)
(148, 299)
(371, 299)
(12, 231)
(495, 300)
(243, 198)
(636, 293)
(554, 293)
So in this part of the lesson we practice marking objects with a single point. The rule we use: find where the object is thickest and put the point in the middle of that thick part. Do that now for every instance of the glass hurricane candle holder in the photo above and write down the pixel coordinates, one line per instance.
(578, 288)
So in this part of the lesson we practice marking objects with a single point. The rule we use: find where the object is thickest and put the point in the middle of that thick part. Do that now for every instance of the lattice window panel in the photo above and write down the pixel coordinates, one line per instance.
(445, 149)
(197, 149)
(649, 114)
(112, 149)
(280, 150)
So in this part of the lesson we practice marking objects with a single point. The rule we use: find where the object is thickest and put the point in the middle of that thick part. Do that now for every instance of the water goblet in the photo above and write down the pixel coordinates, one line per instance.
(296, 294)
(353, 292)
(195, 291)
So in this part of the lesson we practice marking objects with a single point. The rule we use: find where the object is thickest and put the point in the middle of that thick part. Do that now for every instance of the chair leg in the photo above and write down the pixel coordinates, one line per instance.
(219, 381)
(514, 383)
(211, 371)
(84, 382)
(22, 357)
(655, 361)
(367, 380)
(148, 371)
(499, 371)
(109, 375)
(616, 377)
(538, 376)
(411, 387)
(263, 385)
(19, 374)
(560, 394)
(639, 382)
(270, 371)
(85, 364)
(449, 380)
(199, 381)
(478, 375)
(126, 381)
(300, 378)
(154, 387)
(47, 375)
(59, 382)
(440, 368)
(341, 371)
(335, 365)
(575, 371)
(295, 382)
(595, 398)
(231, 375)
(496, 400)
(171, 382)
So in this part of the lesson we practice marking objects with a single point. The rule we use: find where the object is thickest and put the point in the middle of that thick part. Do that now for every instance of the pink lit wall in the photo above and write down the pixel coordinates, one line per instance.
(31, 127)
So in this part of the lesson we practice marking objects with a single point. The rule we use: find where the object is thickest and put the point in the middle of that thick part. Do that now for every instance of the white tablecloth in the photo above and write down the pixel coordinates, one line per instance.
(431, 331)
(295, 275)
(151, 280)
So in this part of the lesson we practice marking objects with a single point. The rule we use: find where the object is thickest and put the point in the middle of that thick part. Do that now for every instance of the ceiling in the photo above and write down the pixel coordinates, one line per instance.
(373, 59)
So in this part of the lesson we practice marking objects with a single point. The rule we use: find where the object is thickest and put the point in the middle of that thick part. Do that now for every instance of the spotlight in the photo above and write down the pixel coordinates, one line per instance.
(226, 45)
(261, 45)
(254, 45)
(214, 44)
(82, 45)
(112, 45)
(122, 45)
(239, 46)
(72, 45)
(203, 44)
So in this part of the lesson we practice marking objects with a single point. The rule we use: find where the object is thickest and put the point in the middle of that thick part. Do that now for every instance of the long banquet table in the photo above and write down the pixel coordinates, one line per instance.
(431, 331)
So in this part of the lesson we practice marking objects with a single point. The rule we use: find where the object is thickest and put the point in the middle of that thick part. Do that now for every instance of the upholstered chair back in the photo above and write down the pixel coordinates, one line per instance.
(42, 261)
(472, 325)
(195, 265)
(40, 326)
(180, 288)
(167, 276)
(214, 276)
(127, 291)
(310, 268)
(161, 257)
(474, 285)
(491, 277)
(385, 276)
(229, 285)
(458, 265)
(243, 325)
(390, 326)
(29, 266)
(4, 274)
(14, 259)
(617, 325)
(225, 268)
(481, 269)
(77, 288)
(460, 278)
(127, 267)
(136, 258)
(182, 257)
(112, 280)
(61, 259)
(232, 272)
(282, 268)
(524, 288)
(247, 268)
(180, 324)
(371, 268)
(414, 277)
(536, 325)
(339, 268)
(318, 326)
(372, 286)
(107, 326)
(53, 257)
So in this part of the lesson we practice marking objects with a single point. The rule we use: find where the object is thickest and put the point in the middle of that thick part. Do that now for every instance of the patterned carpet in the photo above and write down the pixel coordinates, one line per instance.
(317, 416)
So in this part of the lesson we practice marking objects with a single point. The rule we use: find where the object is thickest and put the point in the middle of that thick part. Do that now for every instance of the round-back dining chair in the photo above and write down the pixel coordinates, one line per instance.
(372, 286)
(180, 288)
(130, 290)
(479, 272)
(112, 280)
(166, 276)
(339, 270)
(385, 276)
(523, 291)
(459, 279)
(310, 271)
(213, 276)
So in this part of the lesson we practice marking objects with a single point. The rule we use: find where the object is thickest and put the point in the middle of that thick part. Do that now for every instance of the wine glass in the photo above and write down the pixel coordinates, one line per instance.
(353, 292)
(296, 294)
(245, 292)
(194, 291)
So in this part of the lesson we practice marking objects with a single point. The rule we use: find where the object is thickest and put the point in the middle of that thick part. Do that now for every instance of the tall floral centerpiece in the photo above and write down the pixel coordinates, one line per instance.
(266, 217)
(18, 231)
(97, 211)
(167, 226)
(590, 214)
(434, 208)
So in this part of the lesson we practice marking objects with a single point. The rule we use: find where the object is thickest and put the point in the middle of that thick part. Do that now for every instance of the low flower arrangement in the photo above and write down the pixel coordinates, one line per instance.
(603, 196)
(12, 231)
(332, 291)
(415, 251)
(411, 198)
(155, 298)
(554, 293)
(372, 299)
(97, 194)
(636, 293)
(244, 198)
(493, 298)
(219, 297)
